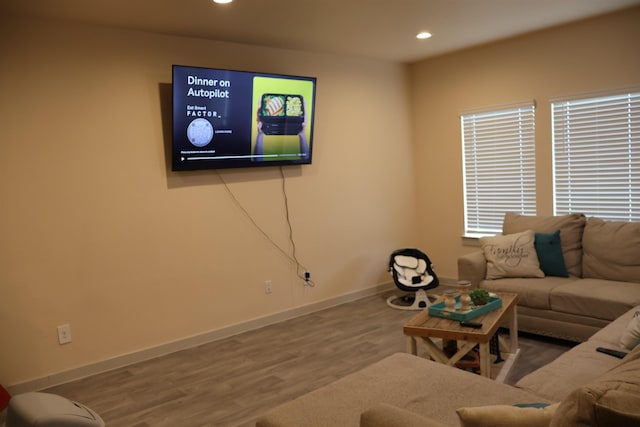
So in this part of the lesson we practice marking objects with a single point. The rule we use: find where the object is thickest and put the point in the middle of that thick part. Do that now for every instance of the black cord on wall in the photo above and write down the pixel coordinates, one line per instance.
(301, 270)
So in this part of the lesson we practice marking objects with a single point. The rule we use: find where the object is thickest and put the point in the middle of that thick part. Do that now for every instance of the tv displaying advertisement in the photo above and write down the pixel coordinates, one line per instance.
(231, 119)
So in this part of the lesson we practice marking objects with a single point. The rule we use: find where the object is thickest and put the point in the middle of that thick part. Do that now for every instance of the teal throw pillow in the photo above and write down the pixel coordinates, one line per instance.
(550, 255)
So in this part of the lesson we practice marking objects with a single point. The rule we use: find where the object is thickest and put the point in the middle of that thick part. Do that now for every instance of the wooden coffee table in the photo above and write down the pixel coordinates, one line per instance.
(423, 328)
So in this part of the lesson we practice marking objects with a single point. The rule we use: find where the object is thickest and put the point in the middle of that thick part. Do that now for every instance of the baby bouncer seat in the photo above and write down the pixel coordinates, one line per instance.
(412, 272)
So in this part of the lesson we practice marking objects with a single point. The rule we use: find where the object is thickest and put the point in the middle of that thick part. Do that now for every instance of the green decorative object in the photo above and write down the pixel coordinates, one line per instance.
(479, 296)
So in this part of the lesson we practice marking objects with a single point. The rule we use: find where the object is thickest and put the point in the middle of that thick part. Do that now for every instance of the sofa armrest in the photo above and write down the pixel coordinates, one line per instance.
(385, 415)
(472, 267)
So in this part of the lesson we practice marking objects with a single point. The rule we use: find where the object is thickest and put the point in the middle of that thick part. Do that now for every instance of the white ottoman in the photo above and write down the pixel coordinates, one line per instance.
(49, 410)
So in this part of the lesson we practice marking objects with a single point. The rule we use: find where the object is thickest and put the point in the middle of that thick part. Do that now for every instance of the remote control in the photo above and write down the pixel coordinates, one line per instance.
(474, 325)
(612, 352)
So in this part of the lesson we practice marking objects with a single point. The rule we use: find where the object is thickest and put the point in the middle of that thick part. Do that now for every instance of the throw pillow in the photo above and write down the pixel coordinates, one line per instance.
(549, 251)
(631, 335)
(506, 415)
(571, 227)
(513, 255)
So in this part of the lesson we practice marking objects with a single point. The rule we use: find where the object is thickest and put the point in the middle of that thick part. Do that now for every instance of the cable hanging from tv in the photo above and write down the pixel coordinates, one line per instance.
(301, 271)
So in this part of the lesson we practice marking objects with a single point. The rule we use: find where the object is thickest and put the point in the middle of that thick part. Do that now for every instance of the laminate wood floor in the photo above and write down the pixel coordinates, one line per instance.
(232, 381)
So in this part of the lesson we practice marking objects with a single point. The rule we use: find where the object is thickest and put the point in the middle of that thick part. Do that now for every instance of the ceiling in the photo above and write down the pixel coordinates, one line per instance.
(379, 29)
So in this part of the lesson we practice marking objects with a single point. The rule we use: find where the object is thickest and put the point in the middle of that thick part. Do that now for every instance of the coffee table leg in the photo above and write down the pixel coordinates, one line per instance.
(513, 329)
(485, 362)
(412, 348)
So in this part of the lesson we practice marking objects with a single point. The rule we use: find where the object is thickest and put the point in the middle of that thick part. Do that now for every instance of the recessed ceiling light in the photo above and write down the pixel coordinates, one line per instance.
(222, 1)
(423, 35)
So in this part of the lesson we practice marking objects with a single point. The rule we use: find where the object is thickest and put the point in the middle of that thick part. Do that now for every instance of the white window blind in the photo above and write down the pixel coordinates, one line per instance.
(499, 167)
(597, 156)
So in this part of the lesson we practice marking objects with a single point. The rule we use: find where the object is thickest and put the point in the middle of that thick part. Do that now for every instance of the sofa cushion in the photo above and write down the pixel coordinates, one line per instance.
(532, 293)
(611, 250)
(549, 250)
(557, 379)
(602, 299)
(611, 400)
(581, 365)
(571, 227)
(513, 255)
(506, 415)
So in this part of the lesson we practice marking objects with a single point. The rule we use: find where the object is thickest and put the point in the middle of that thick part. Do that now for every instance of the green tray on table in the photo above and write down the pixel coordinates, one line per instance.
(440, 310)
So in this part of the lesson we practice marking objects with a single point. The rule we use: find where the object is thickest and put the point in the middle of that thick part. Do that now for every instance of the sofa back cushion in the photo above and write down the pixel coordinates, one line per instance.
(611, 400)
(611, 250)
(571, 227)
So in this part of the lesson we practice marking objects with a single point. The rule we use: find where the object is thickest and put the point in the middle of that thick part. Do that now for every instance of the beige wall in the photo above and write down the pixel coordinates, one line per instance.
(96, 231)
(588, 56)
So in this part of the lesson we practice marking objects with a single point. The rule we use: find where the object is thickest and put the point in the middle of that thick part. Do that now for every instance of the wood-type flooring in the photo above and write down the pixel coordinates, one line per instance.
(232, 381)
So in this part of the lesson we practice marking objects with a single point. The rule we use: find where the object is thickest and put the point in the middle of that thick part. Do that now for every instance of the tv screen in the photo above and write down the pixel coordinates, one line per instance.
(228, 119)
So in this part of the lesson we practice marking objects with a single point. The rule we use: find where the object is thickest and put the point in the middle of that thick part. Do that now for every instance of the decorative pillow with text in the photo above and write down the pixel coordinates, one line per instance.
(511, 255)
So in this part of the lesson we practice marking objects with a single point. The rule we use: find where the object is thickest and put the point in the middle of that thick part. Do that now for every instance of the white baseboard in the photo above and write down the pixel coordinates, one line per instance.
(189, 342)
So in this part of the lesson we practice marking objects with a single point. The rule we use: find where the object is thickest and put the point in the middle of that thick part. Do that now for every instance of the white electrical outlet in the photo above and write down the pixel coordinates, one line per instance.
(64, 334)
(267, 287)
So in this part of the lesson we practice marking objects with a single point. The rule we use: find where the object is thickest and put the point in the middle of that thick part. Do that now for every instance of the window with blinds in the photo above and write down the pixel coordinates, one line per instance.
(596, 148)
(499, 167)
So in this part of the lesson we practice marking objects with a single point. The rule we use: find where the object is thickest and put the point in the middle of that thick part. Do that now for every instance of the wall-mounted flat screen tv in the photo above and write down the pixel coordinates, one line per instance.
(229, 119)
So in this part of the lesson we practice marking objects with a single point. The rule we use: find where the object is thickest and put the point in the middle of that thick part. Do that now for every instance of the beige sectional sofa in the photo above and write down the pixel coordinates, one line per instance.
(583, 387)
(594, 304)
(602, 259)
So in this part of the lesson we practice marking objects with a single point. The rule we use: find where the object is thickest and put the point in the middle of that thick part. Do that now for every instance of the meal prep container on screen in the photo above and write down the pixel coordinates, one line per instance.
(281, 114)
